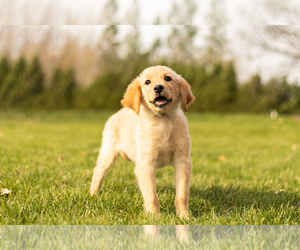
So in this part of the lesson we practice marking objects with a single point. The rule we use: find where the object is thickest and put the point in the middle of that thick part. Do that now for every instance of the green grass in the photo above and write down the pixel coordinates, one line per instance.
(258, 183)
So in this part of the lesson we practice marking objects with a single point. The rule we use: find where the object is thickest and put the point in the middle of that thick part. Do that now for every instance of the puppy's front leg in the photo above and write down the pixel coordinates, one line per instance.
(145, 174)
(183, 167)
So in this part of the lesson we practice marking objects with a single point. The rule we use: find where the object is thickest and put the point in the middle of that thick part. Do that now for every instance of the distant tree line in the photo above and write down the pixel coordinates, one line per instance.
(215, 86)
(46, 82)
(22, 86)
(25, 84)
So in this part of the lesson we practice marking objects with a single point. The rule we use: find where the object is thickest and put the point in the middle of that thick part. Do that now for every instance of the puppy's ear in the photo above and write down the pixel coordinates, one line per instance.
(186, 94)
(132, 96)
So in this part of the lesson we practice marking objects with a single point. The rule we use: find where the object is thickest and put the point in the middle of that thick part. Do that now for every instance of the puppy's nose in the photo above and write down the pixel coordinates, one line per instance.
(158, 88)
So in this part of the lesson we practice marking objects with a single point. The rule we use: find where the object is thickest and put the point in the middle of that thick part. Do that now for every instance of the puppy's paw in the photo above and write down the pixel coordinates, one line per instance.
(152, 209)
(93, 192)
(183, 215)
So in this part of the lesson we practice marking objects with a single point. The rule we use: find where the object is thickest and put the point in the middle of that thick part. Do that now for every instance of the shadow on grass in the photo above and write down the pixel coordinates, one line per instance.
(277, 207)
(229, 199)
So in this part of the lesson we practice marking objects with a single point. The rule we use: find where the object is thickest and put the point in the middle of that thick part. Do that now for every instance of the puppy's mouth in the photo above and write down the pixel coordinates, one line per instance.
(161, 102)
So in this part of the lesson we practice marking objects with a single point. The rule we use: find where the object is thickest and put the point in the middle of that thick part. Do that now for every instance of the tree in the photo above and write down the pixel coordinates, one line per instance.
(108, 43)
(278, 33)
(109, 47)
(294, 103)
(62, 89)
(31, 86)
(132, 40)
(182, 37)
(216, 40)
(230, 84)
(9, 91)
(109, 13)
(250, 98)
(277, 93)
(181, 43)
(183, 13)
(4, 70)
(209, 98)
(283, 40)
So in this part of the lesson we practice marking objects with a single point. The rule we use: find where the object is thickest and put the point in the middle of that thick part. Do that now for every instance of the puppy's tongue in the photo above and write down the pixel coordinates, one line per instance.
(160, 102)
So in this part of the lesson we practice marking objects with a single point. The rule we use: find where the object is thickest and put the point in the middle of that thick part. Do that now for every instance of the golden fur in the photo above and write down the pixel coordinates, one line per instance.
(152, 133)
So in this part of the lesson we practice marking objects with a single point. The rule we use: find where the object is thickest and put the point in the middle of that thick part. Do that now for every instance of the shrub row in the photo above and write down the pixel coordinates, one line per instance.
(215, 86)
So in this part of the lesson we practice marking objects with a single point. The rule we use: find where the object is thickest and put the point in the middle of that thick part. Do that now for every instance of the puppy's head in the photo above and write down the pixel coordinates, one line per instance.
(160, 89)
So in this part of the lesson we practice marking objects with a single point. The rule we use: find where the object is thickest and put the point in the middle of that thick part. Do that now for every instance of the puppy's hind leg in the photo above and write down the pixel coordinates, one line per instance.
(108, 155)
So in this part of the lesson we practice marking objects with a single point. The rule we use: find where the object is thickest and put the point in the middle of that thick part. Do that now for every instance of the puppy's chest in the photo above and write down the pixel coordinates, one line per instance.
(163, 132)
(159, 140)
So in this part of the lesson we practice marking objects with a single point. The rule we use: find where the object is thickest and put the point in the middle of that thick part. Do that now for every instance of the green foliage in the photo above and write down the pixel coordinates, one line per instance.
(215, 90)
(102, 94)
(278, 94)
(31, 87)
(108, 89)
(4, 70)
(214, 85)
(22, 85)
(294, 100)
(62, 90)
(250, 95)
(12, 84)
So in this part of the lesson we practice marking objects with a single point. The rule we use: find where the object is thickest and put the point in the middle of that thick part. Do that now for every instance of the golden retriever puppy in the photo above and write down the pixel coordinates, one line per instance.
(152, 131)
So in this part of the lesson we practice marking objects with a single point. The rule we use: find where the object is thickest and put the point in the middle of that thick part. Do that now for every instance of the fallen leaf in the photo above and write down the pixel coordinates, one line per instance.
(60, 159)
(279, 191)
(4, 191)
(61, 185)
(294, 146)
(82, 153)
(222, 158)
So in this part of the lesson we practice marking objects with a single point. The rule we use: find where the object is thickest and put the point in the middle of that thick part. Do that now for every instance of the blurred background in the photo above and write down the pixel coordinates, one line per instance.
(238, 56)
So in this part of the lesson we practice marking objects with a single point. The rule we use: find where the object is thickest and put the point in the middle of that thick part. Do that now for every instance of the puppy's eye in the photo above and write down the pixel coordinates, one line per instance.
(167, 78)
(148, 82)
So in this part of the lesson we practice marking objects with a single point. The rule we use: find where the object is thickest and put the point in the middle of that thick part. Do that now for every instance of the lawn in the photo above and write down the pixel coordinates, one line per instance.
(245, 171)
